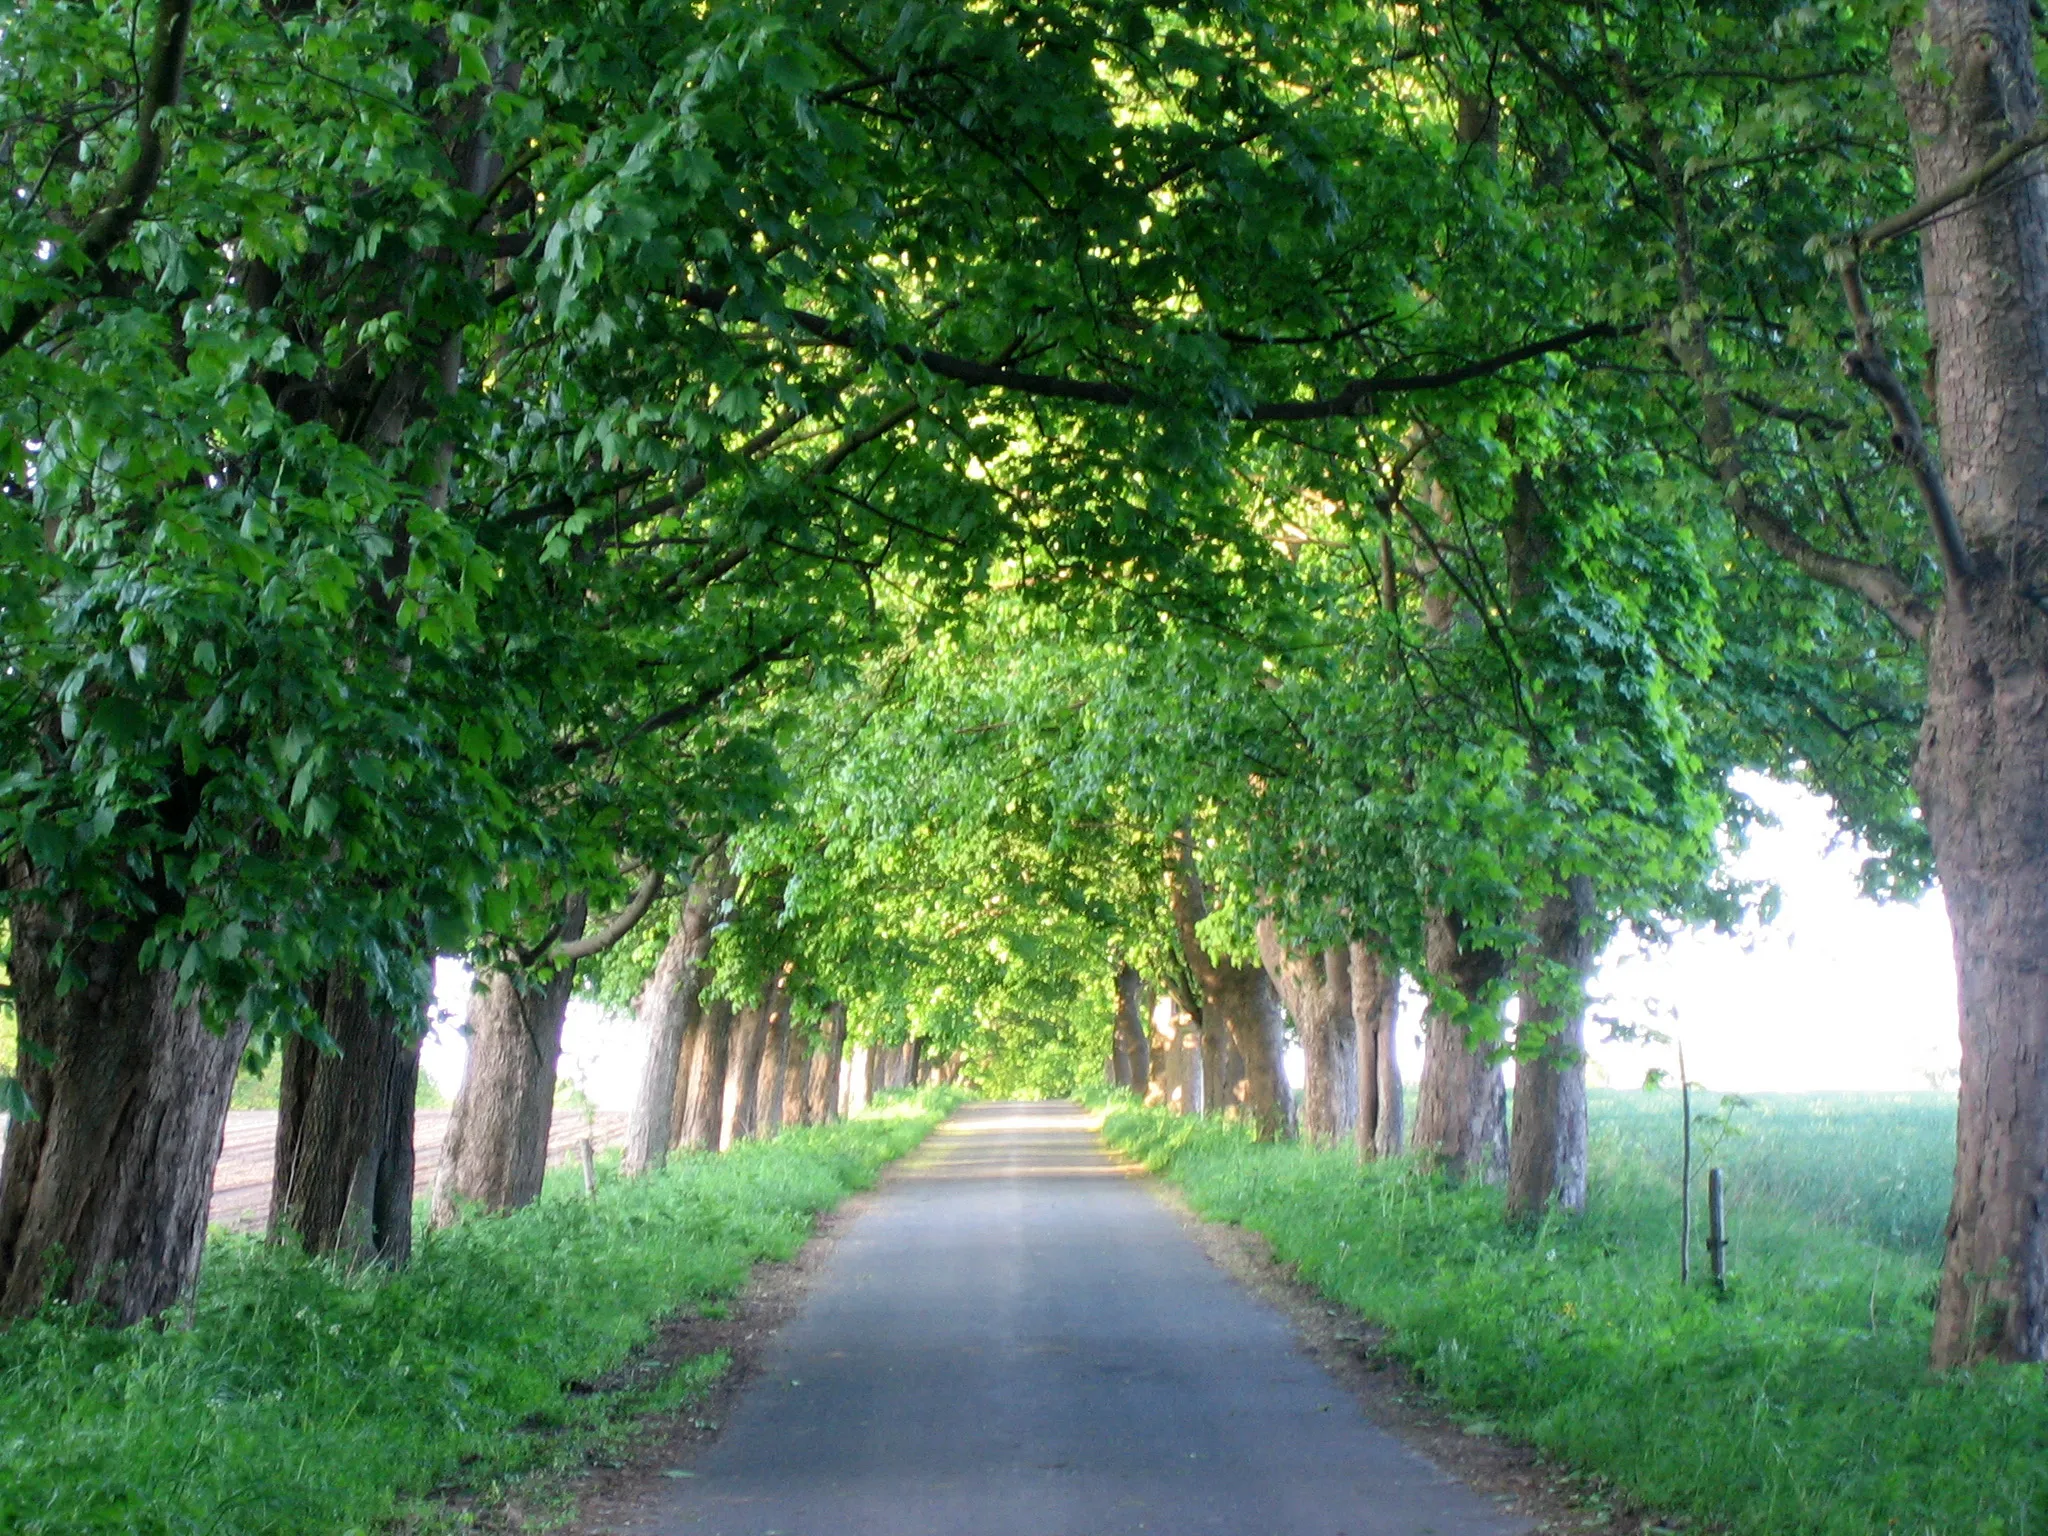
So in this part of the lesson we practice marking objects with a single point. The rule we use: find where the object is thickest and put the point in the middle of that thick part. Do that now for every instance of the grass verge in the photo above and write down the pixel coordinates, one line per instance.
(305, 1399)
(1800, 1403)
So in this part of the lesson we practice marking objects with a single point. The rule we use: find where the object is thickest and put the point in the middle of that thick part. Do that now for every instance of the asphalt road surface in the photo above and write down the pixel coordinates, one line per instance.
(1018, 1339)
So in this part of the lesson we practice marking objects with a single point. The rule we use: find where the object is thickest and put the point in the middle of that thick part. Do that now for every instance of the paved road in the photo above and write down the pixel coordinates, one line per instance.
(1016, 1339)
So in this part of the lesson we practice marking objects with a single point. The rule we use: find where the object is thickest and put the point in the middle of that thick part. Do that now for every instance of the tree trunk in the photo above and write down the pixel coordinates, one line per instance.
(743, 1071)
(496, 1150)
(1188, 1093)
(1375, 1007)
(705, 1104)
(1239, 996)
(687, 1051)
(1316, 987)
(1547, 1147)
(1133, 1053)
(1461, 1118)
(821, 1089)
(774, 1067)
(669, 1013)
(856, 1081)
(344, 1161)
(1983, 768)
(1212, 1043)
(103, 1195)
(804, 1044)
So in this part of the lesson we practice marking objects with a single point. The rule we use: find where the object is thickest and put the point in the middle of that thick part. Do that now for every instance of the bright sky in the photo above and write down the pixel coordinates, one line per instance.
(1839, 992)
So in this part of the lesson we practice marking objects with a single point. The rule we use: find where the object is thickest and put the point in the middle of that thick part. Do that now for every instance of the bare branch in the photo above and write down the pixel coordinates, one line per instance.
(1870, 365)
(1963, 186)
(1353, 398)
(629, 915)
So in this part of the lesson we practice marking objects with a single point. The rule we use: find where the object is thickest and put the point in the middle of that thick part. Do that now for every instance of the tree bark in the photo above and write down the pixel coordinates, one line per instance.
(1316, 987)
(1375, 1008)
(1547, 1146)
(669, 1013)
(743, 1072)
(344, 1160)
(103, 1195)
(1983, 767)
(705, 1104)
(1133, 1052)
(774, 1076)
(1237, 995)
(821, 1087)
(1461, 1115)
(804, 1044)
(496, 1151)
(1344, 1053)
(1187, 1093)
(857, 1081)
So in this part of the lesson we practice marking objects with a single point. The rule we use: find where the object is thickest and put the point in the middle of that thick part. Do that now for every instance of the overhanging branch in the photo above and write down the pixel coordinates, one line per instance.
(1351, 398)
(629, 915)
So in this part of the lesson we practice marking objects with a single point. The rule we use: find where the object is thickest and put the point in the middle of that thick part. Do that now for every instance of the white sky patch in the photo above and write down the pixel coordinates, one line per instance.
(602, 1052)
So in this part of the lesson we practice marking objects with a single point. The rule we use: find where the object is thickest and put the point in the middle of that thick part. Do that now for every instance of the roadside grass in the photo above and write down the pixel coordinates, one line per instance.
(1800, 1403)
(296, 1397)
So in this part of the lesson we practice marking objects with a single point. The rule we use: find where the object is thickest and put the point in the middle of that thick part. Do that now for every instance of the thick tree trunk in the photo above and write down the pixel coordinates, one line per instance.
(774, 1077)
(1461, 1113)
(669, 1013)
(344, 1161)
(1375, 1007)
(103, 1195)
(743, 1072)
(1238, 996)
(804, 1044)
(1133, 1053)
(1983, 768)
(856, 1085)
(821, 1080)
(704, 1105)
(496, 1150)
(687, 1051)
(1159, 1049)
(1218, 1082)
(1316, 987)
(1187, 1092)
(1344, 1055)
(1547, 1146)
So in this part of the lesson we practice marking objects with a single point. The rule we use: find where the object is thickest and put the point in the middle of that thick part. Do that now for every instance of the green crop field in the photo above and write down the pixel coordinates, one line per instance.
(1875, 1165)
(1799, 1403)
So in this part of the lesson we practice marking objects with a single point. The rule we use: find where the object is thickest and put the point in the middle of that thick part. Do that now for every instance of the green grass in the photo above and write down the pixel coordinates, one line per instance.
(1799, 1404)
(301, 1399)
(1878, 1165)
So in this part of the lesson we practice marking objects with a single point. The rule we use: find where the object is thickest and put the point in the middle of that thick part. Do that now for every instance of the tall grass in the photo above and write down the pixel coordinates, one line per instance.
(1801, 1403)
(1878, 1165)
(298, 1398)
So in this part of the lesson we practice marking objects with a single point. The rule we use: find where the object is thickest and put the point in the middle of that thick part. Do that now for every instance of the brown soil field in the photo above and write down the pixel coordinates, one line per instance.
(241, 1182)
